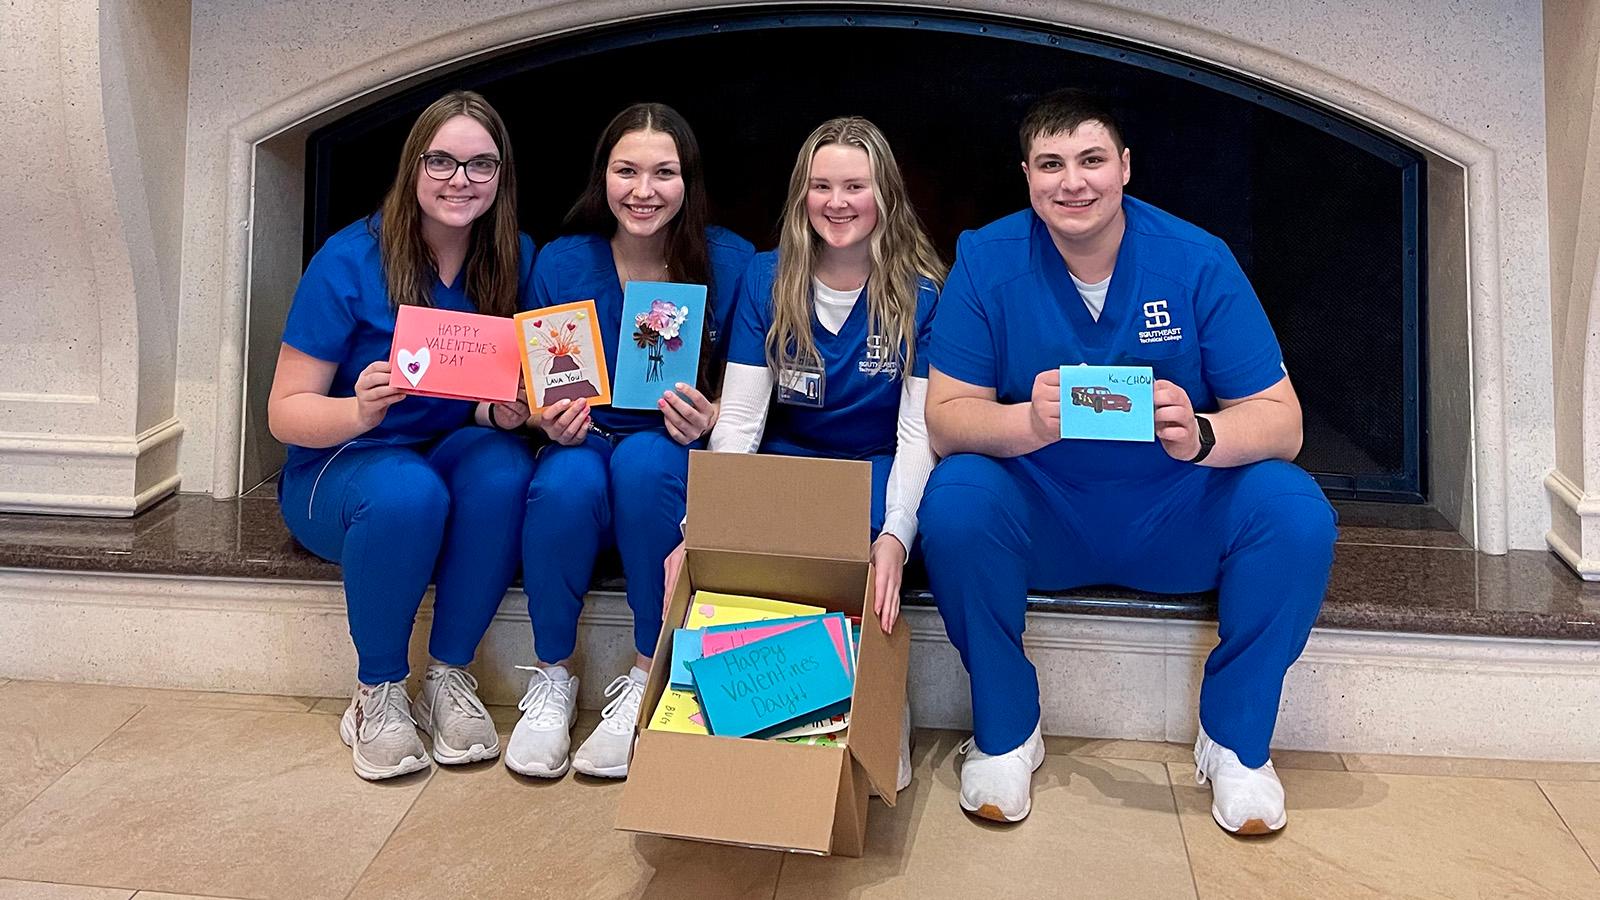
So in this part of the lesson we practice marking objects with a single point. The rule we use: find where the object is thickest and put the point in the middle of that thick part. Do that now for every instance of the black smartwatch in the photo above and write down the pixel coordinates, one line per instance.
(495, 423)
(1207, 438)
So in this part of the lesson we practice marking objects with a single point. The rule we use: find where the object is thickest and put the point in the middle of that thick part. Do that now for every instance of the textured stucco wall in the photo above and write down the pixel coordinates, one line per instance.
(1463, 78)
(1572, 45)
(94, 109)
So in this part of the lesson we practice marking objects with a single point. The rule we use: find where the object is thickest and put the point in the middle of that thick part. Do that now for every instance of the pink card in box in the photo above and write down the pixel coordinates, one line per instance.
(462, 356)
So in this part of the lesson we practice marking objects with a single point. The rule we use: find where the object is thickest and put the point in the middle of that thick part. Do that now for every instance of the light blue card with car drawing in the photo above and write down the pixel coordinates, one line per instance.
(658, 343)
(1108, 403)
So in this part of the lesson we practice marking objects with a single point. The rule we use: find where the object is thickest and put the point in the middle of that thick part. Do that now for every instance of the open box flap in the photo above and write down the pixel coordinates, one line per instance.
(781, 505)
(705, 788)
(879, 701)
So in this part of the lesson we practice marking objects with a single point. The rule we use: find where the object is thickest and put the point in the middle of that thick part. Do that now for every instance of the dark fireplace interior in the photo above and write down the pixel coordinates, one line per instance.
(1323, 214)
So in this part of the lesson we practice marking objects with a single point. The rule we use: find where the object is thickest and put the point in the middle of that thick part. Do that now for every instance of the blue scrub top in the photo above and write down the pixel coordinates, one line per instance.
(341, 314)
(580, 267)
(1178, 302)
(861, 394)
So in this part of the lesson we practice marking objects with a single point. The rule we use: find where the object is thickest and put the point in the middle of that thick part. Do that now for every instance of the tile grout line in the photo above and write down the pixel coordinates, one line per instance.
(1403, 546)
(432, 771)
(777, 880)
(68, 770)
(1183, 835)
(1563, 819)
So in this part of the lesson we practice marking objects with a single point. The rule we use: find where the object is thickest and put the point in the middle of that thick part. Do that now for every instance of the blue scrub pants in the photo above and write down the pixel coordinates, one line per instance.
(588, 497)
(1261, 535)
(396, 517)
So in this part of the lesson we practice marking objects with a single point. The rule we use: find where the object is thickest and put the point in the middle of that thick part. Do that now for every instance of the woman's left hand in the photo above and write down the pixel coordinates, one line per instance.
(888, 566)
(513, 415)
(687, 413)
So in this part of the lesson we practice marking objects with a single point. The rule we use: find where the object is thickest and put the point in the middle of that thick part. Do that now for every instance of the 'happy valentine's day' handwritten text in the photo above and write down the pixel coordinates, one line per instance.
(452, 343)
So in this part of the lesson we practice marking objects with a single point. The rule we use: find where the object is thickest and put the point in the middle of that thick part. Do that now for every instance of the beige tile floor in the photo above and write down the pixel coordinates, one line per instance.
(112, 793)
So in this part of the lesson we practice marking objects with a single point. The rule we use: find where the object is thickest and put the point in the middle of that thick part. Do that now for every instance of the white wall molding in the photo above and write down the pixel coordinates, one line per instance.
(1101, 677)
(89, 474)
(1575, 525)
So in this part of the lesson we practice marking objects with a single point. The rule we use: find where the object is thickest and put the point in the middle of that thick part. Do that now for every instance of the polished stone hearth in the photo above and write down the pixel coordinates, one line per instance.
(1396, 568)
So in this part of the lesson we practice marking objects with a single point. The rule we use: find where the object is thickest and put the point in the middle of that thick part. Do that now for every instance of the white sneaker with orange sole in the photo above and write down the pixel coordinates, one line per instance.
(1244, 801)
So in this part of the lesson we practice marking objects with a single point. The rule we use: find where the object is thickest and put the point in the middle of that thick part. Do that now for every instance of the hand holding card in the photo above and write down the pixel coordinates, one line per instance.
(457, 355)
(1175, 423)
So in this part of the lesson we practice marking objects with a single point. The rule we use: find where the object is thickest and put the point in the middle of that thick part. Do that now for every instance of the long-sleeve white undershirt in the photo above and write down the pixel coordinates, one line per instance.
(747, 396)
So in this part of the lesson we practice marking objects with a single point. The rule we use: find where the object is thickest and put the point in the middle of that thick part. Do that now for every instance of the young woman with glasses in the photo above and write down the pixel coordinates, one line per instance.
(403, 490)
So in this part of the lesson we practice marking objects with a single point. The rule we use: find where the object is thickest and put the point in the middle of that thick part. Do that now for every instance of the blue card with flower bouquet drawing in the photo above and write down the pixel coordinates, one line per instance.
(658, 343)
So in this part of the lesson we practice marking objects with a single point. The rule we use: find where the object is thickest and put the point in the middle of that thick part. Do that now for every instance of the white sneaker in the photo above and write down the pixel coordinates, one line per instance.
(1243, 800)
(448, 709)
(541, 738)
(605, 753)
(1000, 788)
(381, 735)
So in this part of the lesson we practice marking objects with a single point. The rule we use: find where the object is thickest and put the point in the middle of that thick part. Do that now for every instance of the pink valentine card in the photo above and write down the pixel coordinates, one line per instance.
(462, 356)
(717, 640)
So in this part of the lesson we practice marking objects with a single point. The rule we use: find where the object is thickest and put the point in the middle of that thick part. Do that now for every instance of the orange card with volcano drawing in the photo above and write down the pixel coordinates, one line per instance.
(562, 357)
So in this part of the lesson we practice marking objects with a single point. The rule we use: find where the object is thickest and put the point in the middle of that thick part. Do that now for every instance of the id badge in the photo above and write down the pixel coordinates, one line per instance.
(802, 386)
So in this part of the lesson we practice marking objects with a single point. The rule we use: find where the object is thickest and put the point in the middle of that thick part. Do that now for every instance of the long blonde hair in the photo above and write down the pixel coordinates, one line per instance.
(491, 264)
(900, 249)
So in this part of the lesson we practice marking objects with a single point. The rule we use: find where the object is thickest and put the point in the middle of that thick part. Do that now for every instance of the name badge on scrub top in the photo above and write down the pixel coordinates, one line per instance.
(802, 385)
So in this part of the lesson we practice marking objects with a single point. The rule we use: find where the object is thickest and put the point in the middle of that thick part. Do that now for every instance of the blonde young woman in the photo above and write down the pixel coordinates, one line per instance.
(403, 490)
(826, 357)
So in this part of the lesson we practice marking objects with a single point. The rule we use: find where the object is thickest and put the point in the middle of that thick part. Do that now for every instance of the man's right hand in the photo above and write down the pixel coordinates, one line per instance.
(1044, 409)
(566, 422)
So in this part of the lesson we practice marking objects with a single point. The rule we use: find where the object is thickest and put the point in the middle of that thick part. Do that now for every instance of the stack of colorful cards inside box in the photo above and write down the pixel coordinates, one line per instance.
(751, 667)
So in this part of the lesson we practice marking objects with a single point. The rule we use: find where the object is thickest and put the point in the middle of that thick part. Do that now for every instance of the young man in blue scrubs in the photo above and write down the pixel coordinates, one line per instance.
(1087, 275)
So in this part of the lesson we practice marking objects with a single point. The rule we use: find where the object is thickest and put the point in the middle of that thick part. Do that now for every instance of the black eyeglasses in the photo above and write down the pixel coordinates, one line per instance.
(443, 166)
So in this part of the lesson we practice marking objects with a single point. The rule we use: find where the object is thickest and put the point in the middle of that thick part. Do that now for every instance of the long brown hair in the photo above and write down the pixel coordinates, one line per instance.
(901, 253)
(491, 264)
(687, 260)
(687, 257)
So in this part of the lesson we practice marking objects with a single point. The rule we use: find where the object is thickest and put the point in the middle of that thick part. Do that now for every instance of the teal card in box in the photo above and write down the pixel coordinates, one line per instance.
(765, 687)
(1108, 403)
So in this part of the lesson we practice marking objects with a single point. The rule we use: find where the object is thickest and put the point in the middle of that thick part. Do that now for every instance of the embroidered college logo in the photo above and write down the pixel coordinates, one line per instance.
(877, 360)
(1158, 327)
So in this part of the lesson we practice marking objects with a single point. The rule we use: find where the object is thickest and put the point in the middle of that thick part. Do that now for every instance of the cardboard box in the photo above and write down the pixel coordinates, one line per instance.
(789, 529)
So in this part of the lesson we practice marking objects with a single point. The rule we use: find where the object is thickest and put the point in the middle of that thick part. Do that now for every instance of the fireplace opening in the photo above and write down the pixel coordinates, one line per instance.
(1324, 215)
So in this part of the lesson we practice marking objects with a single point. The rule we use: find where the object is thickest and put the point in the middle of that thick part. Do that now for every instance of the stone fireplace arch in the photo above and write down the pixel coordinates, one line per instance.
(243, 233)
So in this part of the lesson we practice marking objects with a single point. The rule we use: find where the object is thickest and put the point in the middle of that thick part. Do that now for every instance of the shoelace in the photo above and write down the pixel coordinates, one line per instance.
(459, 687)
(535, 704)
(1211, 757)
(379, 707)
(627, 694)
(1202, 760)
(963, 748)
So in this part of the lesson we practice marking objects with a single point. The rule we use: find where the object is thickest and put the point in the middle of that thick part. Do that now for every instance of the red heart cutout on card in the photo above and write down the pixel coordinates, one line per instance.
(571, 327)
(538, 323)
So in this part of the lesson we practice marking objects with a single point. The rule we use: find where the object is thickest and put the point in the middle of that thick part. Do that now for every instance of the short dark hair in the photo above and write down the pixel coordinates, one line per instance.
(1061, 112)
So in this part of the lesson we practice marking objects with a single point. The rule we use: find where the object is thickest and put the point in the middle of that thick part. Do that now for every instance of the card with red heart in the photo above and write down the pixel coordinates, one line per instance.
(461, 356)
(562, 357)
